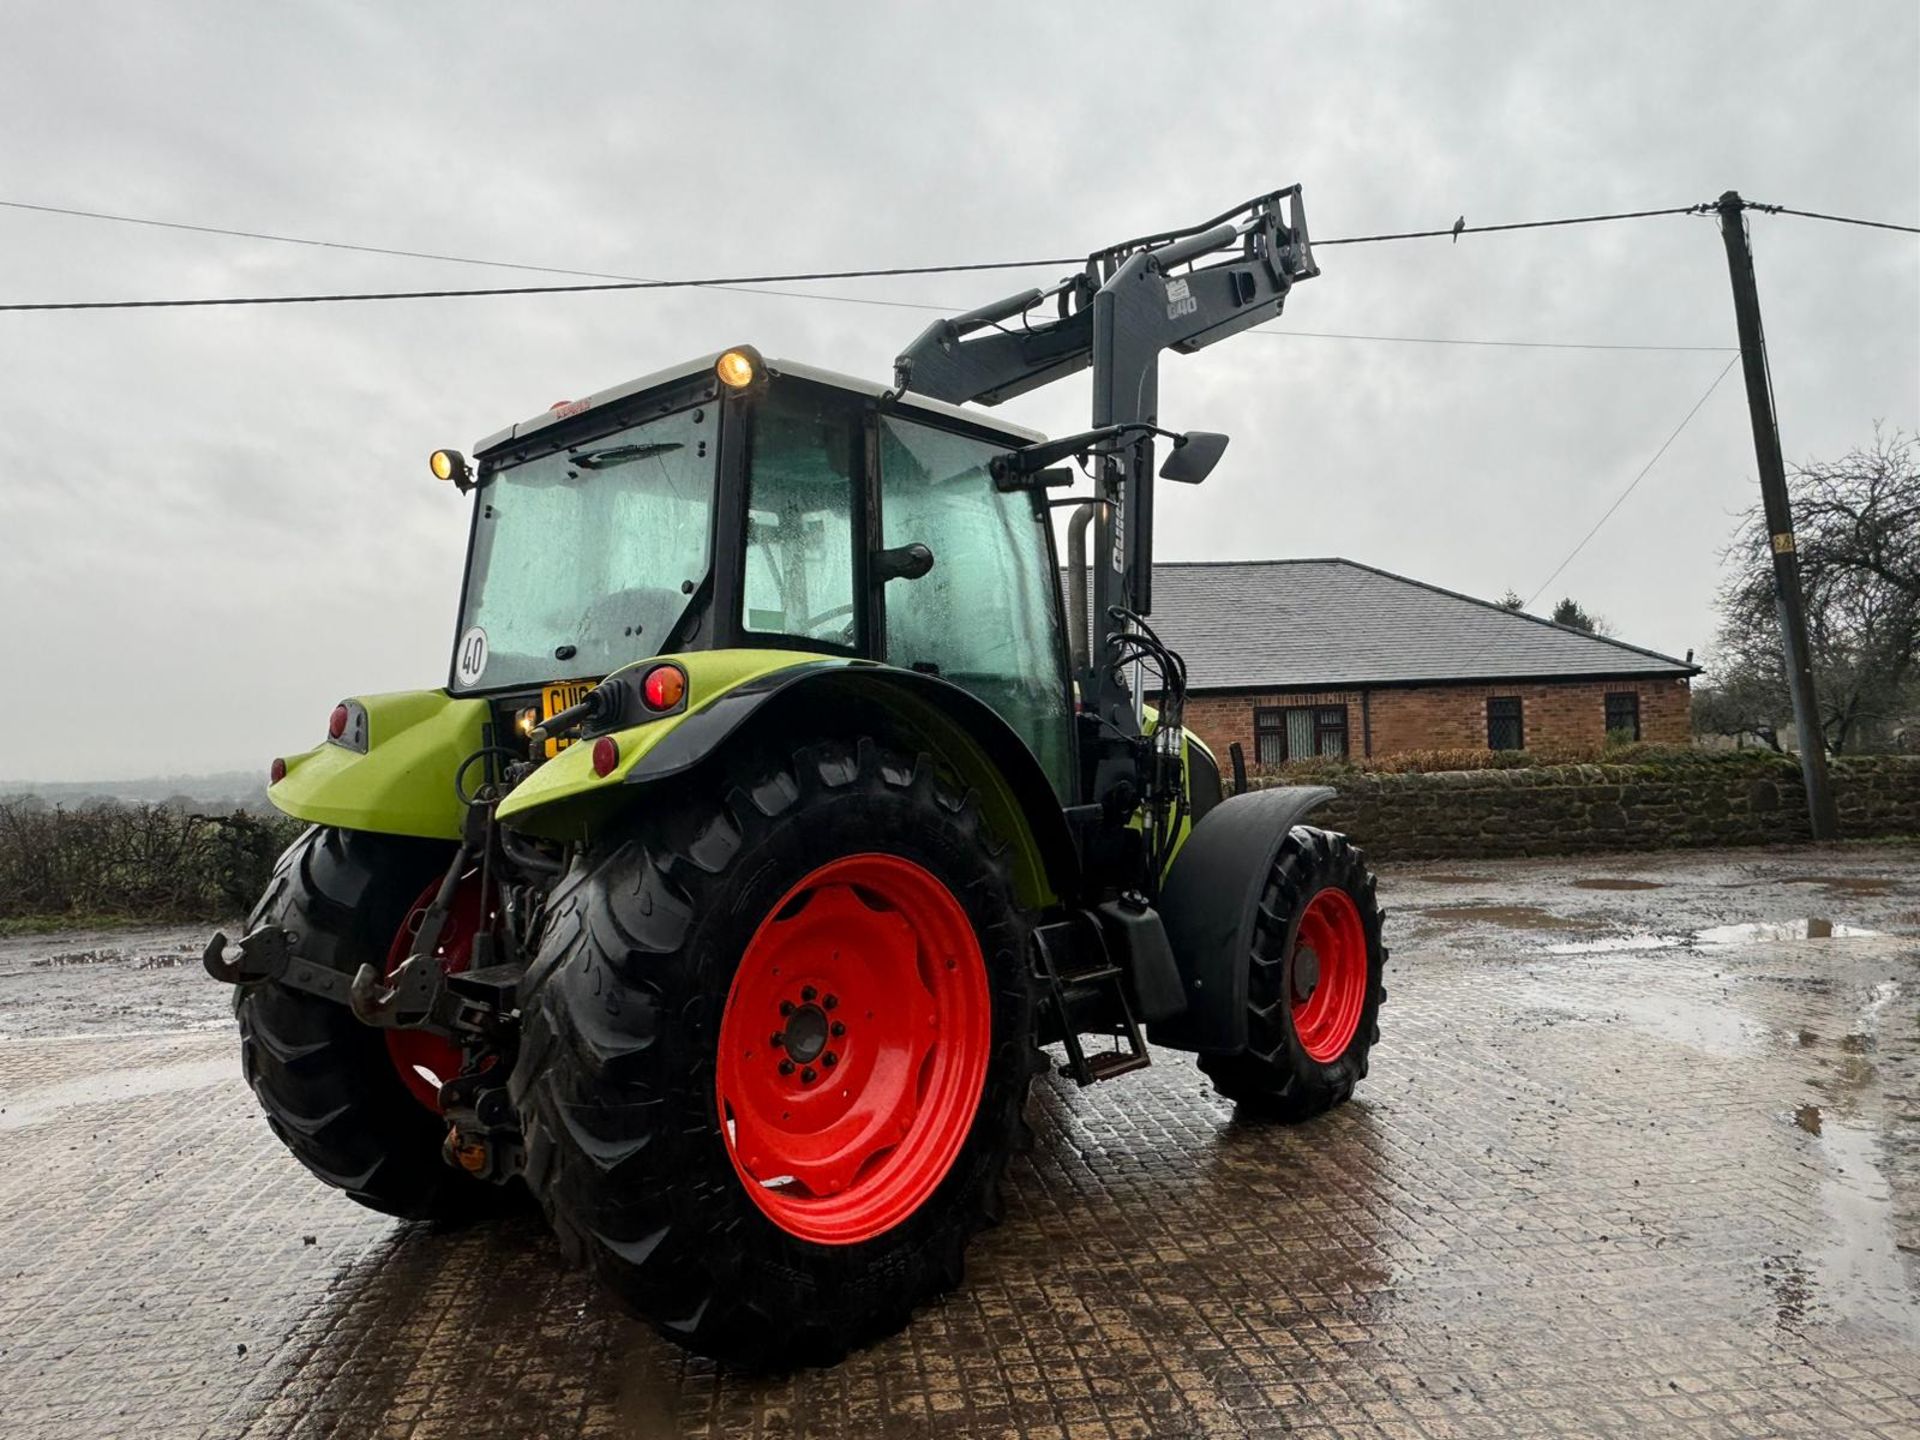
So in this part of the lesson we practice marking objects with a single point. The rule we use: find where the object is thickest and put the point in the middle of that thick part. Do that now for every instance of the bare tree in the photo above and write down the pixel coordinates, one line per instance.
(1857, 532)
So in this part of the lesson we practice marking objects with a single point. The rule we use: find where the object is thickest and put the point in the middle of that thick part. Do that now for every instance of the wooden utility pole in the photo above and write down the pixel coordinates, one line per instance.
(1787, 601)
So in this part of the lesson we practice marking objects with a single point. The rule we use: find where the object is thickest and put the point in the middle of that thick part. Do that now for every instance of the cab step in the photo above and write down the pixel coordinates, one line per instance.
(1073, 963)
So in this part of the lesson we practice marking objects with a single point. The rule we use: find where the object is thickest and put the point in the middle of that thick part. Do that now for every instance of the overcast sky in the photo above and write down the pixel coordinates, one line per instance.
(215, 523)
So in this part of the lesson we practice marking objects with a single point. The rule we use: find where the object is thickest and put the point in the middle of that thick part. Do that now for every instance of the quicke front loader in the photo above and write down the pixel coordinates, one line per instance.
(782, 804)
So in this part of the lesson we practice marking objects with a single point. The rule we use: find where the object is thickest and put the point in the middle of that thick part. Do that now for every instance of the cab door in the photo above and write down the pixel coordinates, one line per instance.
(987, 615)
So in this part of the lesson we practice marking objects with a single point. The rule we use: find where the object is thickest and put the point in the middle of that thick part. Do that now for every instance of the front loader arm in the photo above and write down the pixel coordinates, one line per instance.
(1182, 290)
(976, 357)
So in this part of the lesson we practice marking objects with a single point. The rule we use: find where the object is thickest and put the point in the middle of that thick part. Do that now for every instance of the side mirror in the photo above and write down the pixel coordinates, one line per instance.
(903, 562)
(1193, 456)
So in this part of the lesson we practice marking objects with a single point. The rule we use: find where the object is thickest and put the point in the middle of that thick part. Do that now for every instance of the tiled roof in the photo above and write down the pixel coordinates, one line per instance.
(1244, 624)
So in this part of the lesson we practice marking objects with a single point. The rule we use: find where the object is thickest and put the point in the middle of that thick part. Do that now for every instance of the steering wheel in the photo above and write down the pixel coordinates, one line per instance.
(807, 625)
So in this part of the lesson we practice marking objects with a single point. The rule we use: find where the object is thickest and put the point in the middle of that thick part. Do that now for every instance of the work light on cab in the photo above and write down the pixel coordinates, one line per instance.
(736, 369)
(664, 687)
(450, 465)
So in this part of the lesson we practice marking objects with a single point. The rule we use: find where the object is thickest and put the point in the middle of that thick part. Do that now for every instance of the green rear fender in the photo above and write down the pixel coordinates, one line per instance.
(403, 783)
(564, 798)
(728, 690)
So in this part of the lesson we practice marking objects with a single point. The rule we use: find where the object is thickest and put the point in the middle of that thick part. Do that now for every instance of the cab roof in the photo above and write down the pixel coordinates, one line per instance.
(1019, 434)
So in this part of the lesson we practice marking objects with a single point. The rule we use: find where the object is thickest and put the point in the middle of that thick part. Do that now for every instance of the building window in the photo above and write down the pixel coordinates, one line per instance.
(1505, 728)
(1623, 714)
(1296, 732)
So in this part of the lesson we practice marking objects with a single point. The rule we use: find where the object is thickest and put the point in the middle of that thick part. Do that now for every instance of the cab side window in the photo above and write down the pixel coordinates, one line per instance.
(986, 615)
(799, 577)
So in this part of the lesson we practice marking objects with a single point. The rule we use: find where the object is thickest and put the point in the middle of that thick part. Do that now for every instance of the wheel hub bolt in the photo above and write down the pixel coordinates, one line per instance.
(829, 1059)
(809, 1075)
(786, 1007)
(838, 1029)
(777, 1039)
(830, 1002)
(807, 993)
(786, 1067)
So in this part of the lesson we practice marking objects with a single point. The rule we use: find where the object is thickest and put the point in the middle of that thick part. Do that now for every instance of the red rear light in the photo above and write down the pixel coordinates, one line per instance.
(337, 722)
(664, 687)
(606, 755)
(277, 771)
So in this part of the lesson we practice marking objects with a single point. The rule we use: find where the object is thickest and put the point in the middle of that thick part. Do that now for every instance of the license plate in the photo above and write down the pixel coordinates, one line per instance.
(563, 696)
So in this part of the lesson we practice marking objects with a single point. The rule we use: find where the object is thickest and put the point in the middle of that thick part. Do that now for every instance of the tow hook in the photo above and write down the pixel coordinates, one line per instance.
(464, 1154)
(483, 1129)
(404, 1003)
(263, 955)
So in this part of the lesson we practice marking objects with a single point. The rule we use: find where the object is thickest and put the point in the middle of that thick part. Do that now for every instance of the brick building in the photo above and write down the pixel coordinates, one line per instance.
(1327, 657)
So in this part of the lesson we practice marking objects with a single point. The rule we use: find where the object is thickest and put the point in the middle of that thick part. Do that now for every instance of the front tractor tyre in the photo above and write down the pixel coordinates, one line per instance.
(1314, 986)
(776, 1045)
(351, 1102)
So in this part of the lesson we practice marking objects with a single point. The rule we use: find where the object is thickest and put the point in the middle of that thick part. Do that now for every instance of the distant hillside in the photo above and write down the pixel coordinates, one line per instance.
(228, 790)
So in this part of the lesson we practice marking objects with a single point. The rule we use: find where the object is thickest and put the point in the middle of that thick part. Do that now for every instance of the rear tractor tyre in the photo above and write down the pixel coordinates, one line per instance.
(1314, 986)
(776, 1046)
(332, 1088)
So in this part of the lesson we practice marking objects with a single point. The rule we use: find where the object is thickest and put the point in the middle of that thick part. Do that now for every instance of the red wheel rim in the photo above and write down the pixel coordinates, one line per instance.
(871, 960)
(1328, 975)
(424, 1060)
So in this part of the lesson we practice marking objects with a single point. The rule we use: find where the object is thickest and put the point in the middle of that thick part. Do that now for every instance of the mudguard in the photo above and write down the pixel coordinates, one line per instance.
(1209, 902)
(397, 778)
(565, 800)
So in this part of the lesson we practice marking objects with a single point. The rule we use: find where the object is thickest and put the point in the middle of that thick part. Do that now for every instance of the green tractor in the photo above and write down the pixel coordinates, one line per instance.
(782, 803)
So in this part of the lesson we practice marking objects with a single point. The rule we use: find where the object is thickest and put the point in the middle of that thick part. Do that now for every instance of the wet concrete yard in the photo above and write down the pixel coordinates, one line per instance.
(1640, 1155)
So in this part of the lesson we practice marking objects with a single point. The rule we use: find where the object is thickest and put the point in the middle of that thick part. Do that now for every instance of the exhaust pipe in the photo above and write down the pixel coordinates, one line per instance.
(1078, 641)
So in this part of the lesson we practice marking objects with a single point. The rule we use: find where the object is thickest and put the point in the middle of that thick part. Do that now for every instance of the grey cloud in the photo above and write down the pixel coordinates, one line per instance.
(226, 516)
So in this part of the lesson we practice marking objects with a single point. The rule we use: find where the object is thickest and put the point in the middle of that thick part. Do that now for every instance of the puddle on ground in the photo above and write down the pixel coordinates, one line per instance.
(1615, 882)
(1811, 928)
(165, 962)
(150, 960)
(1861, 1273)
(1616, 945)
(1848, 884)
(45, 1102)
(1748, 933)
(1515, 917)
(1455, 879)
(1711, 1029)
(77, 957)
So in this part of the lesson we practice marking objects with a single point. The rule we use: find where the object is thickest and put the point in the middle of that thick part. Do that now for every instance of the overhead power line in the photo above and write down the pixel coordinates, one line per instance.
(1836, 219)
(1634, 484)
(306, 240)
(603, 282)
(1514, 344)
(1527, 605)
(1515, 225)
(730, 282)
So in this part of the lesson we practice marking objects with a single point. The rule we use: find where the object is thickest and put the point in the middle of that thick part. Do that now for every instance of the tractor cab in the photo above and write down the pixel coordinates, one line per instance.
(740, 503)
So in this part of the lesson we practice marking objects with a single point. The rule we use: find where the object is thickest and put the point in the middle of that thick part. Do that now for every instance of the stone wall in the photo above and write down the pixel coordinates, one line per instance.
(1393, 720)
(1738, 798)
